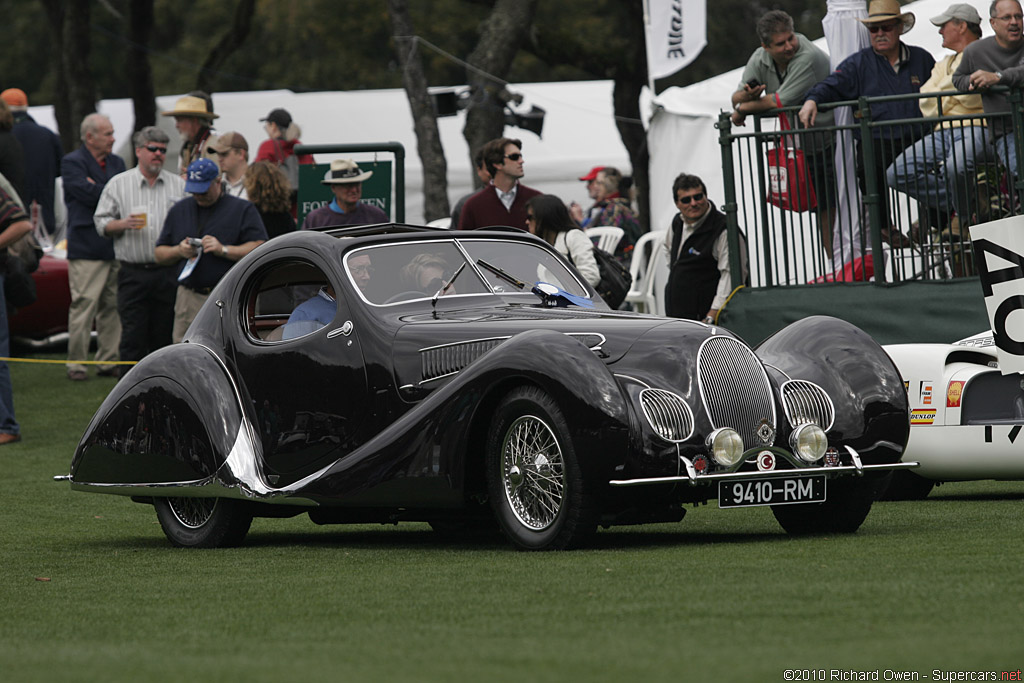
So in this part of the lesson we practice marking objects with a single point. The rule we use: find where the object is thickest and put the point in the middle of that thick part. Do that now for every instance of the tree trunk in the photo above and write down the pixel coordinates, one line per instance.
(501, 35)
(77, 47)
(140, 75)
(428, 137)
(226, 46)
(630, 78)
(61, 104)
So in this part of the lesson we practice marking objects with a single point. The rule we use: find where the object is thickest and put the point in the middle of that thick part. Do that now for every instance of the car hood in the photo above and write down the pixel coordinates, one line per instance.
(427, 348)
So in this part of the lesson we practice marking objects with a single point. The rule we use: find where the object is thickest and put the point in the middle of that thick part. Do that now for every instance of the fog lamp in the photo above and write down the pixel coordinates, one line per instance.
(725, 446)
(809, 442)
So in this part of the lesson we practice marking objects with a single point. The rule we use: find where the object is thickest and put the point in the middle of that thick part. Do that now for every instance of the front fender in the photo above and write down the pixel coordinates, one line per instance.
(443, 434)
(173, 419)
(872, 411)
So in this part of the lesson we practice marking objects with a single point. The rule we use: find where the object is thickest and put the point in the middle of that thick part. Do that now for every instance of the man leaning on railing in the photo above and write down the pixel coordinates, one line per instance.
(887, 67)
(936, 169)
(779, 74)
(996, 60)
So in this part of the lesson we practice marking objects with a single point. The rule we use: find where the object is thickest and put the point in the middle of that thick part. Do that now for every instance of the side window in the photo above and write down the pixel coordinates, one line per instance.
(288, 300)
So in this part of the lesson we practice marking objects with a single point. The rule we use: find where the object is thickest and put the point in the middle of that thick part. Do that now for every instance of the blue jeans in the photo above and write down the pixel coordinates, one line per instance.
(8, 425)
(1007, 151)
(936, 170)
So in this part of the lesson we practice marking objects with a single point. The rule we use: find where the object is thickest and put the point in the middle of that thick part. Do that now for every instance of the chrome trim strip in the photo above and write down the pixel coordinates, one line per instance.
(775, 474)
(633, 379)
(464, 342)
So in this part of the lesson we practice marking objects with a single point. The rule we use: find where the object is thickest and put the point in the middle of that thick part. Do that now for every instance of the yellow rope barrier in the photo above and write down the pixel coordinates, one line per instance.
(65, 362)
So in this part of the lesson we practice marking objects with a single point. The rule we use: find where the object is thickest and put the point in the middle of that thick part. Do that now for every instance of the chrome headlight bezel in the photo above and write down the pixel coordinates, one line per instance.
(725, 446)
(808, 442)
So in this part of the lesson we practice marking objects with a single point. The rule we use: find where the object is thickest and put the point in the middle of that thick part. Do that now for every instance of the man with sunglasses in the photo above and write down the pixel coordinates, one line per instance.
(503, 201)
(700, 277)
(887, 67)
(997, 60)
(131, 212)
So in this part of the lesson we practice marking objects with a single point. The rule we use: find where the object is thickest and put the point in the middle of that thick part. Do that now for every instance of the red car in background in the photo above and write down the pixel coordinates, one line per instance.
(45, 322)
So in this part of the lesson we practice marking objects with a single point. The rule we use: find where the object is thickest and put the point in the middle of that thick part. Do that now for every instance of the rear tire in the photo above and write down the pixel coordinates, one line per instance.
(847, 506)
(533, 477)
(202, 522)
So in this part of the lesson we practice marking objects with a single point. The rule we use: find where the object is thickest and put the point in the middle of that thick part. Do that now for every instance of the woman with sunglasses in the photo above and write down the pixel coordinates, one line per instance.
(548, 218)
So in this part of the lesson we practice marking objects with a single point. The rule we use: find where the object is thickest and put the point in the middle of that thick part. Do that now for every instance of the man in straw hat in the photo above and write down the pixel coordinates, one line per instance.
(193, 117)
(992, 61)
(345, 179)
(888, 67)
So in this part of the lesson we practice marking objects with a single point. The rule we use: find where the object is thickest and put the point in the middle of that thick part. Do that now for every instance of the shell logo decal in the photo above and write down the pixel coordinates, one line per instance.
(954, 393)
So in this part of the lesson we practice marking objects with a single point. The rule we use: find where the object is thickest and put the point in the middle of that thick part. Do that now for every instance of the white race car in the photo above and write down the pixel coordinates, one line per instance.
(966, 417)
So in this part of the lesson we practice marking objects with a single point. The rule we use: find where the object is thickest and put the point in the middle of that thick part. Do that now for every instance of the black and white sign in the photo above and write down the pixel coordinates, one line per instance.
(999, 253)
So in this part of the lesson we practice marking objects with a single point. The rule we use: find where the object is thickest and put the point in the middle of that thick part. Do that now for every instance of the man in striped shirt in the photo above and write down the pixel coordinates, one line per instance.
(131, 212)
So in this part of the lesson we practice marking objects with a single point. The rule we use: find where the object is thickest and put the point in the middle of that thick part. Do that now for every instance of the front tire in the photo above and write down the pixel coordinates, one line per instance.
(202, 522)
(847, 506)
(533, 477)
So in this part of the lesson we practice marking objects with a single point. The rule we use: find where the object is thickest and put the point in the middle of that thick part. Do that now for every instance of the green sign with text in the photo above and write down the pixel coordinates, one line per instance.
(313, 194)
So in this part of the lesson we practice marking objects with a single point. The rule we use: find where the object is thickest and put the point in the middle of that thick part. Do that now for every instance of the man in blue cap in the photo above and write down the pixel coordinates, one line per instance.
(207, 232)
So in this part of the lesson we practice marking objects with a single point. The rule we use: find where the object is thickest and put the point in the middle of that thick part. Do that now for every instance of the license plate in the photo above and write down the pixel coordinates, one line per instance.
(754, 492)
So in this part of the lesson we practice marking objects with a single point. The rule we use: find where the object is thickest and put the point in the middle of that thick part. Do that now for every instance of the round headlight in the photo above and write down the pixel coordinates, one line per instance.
(809, 442)
(725, 446)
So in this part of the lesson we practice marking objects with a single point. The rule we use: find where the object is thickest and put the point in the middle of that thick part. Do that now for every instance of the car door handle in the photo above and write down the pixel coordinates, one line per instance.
(344, 330)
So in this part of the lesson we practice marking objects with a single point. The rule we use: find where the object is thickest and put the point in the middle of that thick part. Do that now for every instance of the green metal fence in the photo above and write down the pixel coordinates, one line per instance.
(861, 225)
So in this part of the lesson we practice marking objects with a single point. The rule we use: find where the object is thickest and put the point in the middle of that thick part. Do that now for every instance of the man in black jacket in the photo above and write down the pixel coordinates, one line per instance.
(699, 278)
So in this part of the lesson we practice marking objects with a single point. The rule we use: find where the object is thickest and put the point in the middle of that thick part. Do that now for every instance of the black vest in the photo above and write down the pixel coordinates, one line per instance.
(693, 275)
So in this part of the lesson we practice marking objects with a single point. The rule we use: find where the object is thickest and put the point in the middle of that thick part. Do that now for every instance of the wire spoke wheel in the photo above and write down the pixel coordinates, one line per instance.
(533, 472)
(203, 522)
(192, 512)
(534, 481)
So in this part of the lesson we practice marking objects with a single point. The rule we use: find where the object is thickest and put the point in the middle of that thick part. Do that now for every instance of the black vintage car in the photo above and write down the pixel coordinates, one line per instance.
(393, 373)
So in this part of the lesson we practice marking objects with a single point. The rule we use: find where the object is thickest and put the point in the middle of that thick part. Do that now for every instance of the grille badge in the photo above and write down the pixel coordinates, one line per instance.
(766, 433)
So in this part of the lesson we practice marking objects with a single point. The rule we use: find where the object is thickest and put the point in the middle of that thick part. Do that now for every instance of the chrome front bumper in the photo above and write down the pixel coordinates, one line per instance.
(693, 478)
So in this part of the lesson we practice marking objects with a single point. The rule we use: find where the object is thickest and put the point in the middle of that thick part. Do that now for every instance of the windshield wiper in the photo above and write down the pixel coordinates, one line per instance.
(445, 287)
(518, 284)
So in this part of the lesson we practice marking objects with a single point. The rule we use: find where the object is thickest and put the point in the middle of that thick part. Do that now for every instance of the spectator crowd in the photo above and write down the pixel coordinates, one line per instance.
(147, 245)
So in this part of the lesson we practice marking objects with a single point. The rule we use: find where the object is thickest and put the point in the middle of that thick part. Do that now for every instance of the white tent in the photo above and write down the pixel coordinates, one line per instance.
(579, 131)
(682, 134)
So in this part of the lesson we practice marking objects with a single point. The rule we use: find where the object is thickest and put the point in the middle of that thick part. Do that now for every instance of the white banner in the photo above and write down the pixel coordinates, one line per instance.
(999, 254)
(676, 32)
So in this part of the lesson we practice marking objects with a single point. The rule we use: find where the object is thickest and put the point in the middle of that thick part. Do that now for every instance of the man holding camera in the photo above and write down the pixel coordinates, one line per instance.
(207, 232)
(779, 74)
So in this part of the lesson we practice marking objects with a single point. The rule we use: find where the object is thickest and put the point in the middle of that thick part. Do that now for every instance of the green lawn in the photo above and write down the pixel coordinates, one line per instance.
(91, 591)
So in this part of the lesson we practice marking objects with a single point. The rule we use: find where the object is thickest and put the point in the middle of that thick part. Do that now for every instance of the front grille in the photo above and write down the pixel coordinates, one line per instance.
(667, 414)
(445, 360)
(806, 402)
(735, 389)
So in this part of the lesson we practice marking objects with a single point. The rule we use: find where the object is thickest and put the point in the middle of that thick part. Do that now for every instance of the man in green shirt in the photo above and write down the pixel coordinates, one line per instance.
(779, 74)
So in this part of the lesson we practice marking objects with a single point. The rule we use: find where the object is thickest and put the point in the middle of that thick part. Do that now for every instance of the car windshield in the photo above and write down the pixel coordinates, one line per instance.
(526, 262)
(391, 274)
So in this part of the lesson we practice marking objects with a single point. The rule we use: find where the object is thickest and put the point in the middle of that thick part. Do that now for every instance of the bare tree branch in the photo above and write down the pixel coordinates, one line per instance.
(428, 138)
(226, 46)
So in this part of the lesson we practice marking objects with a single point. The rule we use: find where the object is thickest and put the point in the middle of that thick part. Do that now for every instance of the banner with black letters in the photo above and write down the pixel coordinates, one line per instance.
(676, 32)
(999, 254)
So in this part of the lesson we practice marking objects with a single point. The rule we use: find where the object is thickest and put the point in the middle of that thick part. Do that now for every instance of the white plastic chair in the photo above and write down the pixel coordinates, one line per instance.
(648, 256)
(605, 237)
